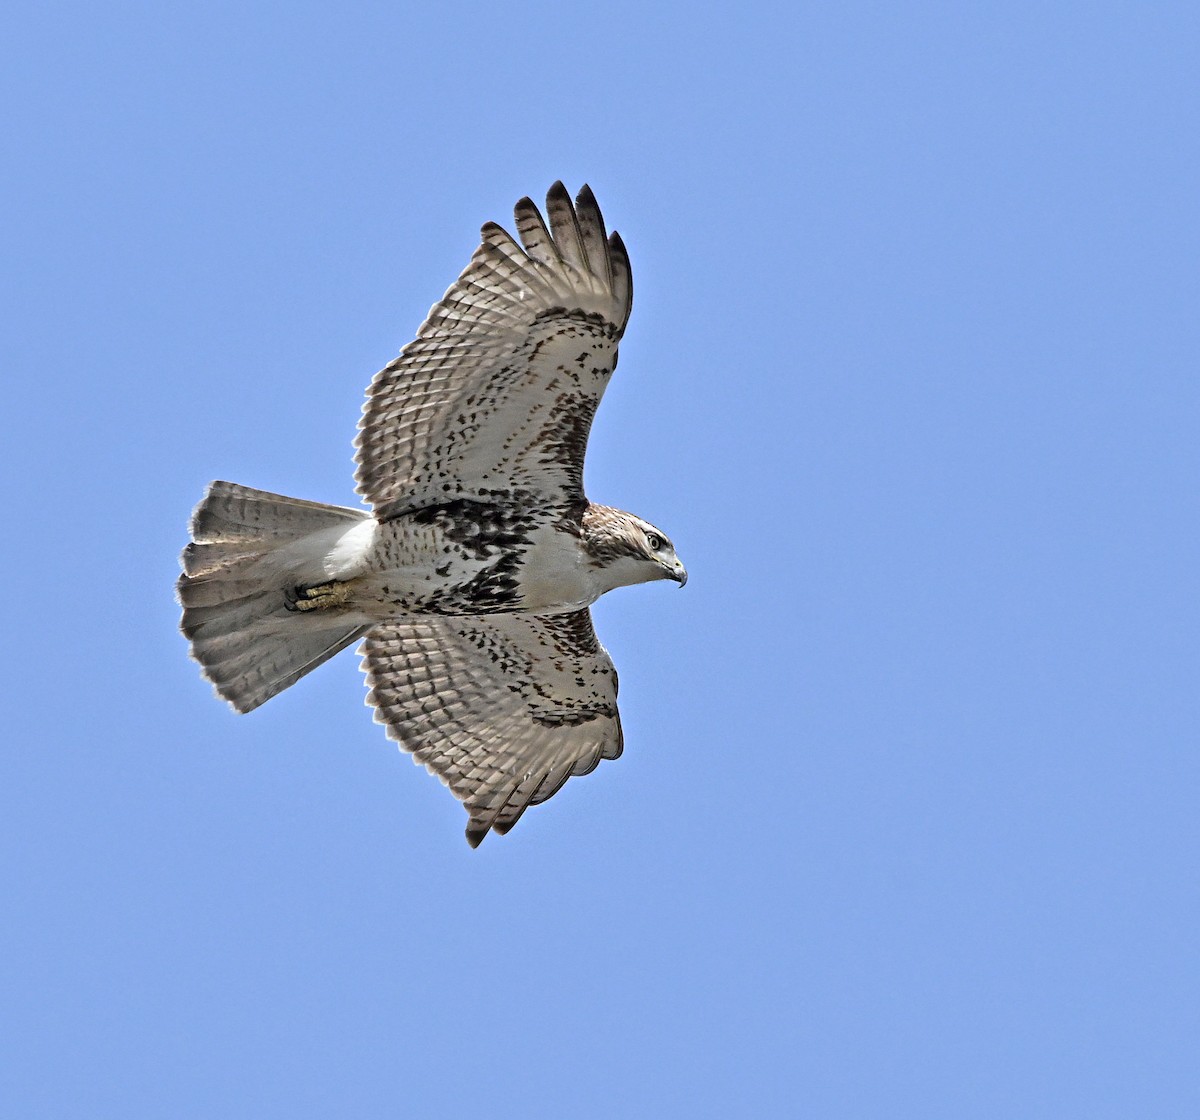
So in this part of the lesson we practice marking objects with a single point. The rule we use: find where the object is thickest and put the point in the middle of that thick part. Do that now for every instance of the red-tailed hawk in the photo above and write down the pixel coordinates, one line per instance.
(471, 576)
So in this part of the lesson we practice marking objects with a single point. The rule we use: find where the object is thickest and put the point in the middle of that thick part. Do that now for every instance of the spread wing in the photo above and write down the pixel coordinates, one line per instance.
(502, 708)
(498, 390)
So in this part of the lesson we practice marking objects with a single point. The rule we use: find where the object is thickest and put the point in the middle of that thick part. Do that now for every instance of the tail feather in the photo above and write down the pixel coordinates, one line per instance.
(231, 616)
(249, 550)
(201, 560)
(232, 513)
(208, 592)
(248, 676)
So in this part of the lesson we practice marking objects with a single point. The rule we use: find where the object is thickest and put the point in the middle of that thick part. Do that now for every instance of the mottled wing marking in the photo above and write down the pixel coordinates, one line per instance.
(499, 388)
(503, 708)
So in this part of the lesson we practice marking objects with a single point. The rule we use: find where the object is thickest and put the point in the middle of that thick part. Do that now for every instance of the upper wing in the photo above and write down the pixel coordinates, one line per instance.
(502, 708)
(498, 391)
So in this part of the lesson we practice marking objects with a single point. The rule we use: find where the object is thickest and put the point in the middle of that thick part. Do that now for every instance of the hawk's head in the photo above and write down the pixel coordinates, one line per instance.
(624, 549)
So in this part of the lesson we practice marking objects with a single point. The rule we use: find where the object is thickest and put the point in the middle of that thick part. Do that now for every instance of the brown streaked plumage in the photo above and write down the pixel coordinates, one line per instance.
(471, 576)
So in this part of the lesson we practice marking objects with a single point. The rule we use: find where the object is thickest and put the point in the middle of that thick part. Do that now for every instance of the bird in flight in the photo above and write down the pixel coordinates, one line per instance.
(470, 577)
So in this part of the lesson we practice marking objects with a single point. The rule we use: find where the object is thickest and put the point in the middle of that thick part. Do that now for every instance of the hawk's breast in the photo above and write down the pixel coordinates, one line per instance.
(469, 557)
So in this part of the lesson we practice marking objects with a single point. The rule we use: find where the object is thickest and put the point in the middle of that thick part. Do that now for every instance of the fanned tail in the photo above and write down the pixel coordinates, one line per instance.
(249, 550)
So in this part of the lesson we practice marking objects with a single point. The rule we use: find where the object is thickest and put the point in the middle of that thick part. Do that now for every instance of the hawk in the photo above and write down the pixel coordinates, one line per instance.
(470, 577)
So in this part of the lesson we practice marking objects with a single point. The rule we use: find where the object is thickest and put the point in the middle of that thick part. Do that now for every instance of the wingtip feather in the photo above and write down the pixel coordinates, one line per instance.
(591, 227)
(475, 834)
(564, 226)
(622, 275)
(535, 237)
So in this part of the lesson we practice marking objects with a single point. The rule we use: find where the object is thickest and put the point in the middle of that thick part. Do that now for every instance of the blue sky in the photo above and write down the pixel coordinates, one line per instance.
(906, 822)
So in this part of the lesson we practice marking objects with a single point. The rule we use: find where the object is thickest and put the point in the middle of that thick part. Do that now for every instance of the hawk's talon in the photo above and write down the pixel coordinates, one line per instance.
(318, 597)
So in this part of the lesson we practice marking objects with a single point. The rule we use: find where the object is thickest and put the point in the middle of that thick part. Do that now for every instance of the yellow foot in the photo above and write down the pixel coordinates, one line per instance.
(321, 597)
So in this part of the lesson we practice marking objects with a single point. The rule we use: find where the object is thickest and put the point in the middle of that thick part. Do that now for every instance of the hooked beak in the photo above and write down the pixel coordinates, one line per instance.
(678, 574)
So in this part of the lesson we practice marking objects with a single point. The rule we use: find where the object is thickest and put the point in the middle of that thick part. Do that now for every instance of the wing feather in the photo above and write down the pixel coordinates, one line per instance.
(565, 229)
(497, 392)
(622, 275)
(502, 708)
(591, 232)
(538, 242)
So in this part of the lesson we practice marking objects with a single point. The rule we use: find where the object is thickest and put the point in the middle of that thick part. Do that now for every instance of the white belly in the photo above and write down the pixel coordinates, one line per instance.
(556, 576)
(402, 566)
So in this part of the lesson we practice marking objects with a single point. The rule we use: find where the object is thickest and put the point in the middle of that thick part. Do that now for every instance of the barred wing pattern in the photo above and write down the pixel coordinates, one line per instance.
(496, 394)
(502, 708)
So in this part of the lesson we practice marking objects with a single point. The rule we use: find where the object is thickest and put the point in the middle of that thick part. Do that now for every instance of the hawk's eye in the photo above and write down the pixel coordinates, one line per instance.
(654, 541)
